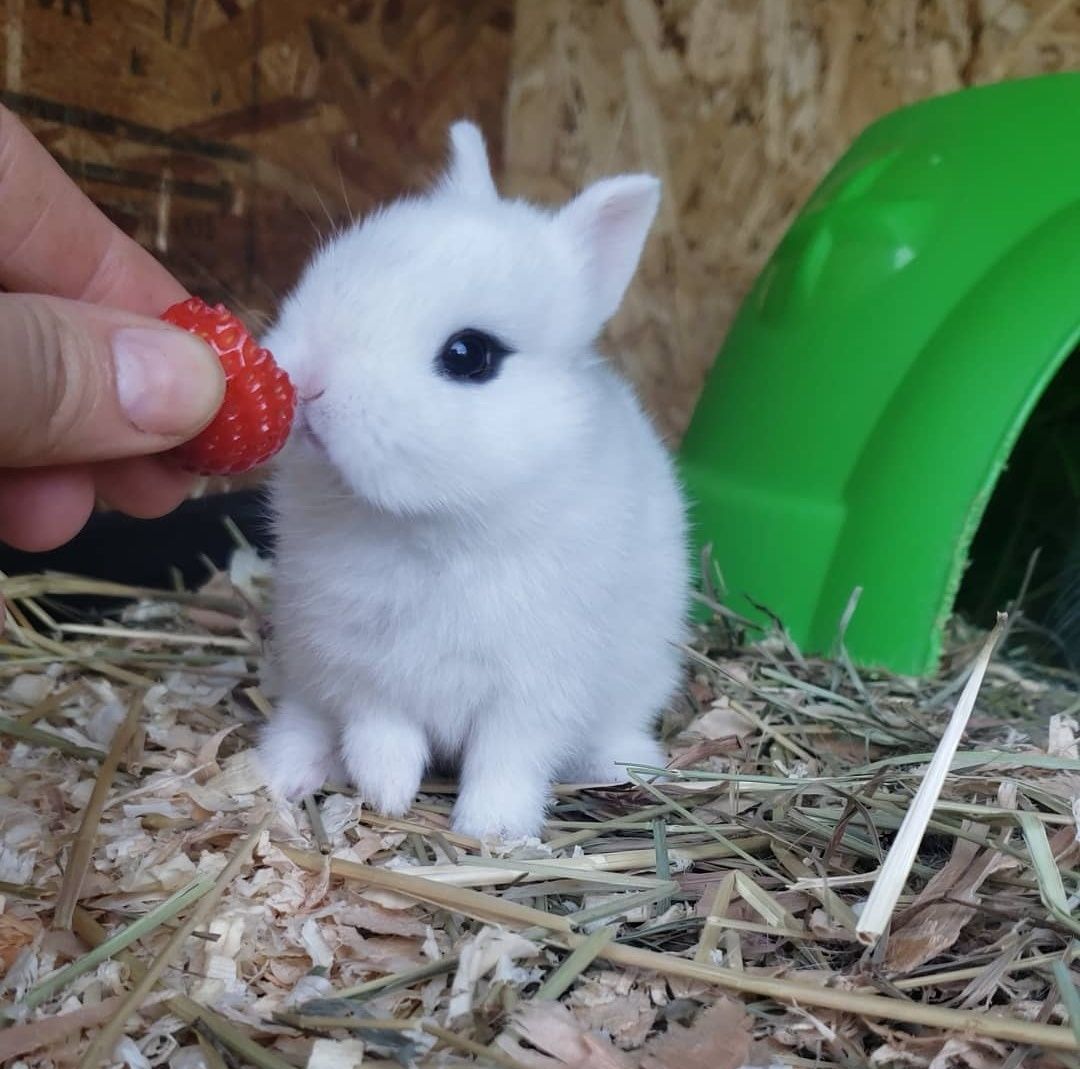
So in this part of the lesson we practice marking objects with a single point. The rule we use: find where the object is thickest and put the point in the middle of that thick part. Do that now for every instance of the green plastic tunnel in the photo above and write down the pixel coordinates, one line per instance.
(884, 364)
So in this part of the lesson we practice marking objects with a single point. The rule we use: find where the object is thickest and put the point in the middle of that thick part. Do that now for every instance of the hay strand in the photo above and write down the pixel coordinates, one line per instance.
(105, 1040)
(894, 872)
(878, 1007)
(83, 847)
(174, 904)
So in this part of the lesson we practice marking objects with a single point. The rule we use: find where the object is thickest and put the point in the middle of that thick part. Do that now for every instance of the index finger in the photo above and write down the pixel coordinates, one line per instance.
(54, 240)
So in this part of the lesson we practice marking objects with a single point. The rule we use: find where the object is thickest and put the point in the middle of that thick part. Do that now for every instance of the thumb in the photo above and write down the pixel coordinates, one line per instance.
(83, 383)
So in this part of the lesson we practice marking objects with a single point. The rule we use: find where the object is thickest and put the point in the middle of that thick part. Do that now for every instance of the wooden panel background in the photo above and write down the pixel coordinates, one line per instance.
(740, 106)
(226, 134)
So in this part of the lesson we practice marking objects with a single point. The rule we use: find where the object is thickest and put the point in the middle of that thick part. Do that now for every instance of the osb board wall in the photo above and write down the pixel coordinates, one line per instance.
(226, 134)
(740, 106)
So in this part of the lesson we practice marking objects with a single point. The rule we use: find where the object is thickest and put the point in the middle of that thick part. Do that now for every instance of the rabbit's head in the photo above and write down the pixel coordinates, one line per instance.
(442, 347)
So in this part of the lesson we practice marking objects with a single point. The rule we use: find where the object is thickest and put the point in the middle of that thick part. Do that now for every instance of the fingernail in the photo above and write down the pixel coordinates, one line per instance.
(167, 382)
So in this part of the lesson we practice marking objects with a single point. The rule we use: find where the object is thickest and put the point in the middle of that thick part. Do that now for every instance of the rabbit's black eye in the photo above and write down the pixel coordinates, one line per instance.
(471, 356)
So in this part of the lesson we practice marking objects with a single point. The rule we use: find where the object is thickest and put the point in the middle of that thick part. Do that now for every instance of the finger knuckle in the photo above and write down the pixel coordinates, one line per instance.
(53, 401)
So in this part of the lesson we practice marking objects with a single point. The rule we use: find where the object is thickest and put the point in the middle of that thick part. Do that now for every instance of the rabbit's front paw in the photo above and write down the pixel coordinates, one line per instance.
(497, 820)
(506, 777)
(606, 762)
(385, 756)
(296, 752)
(501, 803)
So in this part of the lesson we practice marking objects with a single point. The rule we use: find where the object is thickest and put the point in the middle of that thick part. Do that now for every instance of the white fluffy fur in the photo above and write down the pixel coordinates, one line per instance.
(493, 575)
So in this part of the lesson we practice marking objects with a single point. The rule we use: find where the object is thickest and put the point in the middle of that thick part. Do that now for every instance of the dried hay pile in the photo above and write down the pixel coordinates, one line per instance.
(708, 921)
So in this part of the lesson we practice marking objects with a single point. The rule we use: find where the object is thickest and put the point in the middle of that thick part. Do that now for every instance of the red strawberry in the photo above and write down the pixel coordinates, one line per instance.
(254, 419)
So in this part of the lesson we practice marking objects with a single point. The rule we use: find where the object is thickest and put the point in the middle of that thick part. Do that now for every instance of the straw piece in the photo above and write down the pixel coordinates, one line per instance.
(1051, 887)
(469, 1046)
(713, 927)
(489, 872)
(878, 1007)
(838, 910)
(371, 988)
(1069, 995)
(723, 840)
(318, 829)
(18, 730)
(324, 1022)
(211, 1055)
(174, 904)
(582, 956)
(83, 847)
(954, 976)
(898, 862)
(623, 905)
(765, 905)
(129, 634)
(47, 706)
(663, 856)
(455, 899)
(20, 1039)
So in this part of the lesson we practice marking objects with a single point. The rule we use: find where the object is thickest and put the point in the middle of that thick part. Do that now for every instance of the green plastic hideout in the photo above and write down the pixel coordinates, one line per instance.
(884, 364)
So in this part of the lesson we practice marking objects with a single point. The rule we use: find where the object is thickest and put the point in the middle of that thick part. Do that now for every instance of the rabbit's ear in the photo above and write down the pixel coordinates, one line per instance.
(609, 222)
(469, 173)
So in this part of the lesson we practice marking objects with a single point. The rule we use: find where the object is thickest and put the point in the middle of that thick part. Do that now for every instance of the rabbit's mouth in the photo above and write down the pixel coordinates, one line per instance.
(306, 433)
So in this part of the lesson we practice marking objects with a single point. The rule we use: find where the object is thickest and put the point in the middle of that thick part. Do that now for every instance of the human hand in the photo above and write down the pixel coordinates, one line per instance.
(92, 384)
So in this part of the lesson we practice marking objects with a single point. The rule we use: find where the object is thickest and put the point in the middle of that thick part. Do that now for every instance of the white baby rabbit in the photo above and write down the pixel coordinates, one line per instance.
(481, 555)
